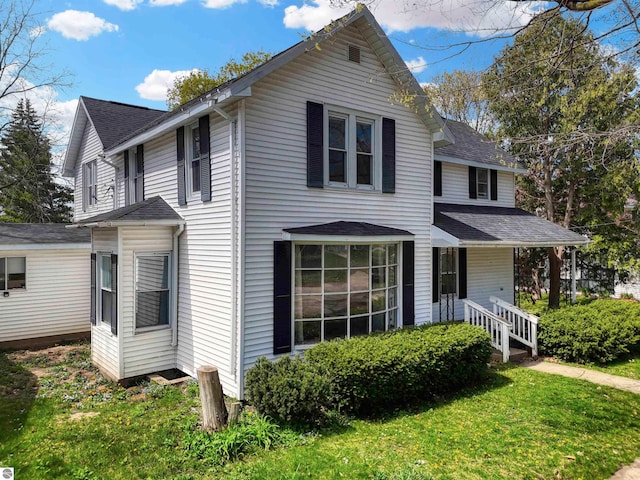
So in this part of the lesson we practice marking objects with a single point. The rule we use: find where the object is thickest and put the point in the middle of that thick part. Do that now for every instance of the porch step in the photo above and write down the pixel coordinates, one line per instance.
(516, 355)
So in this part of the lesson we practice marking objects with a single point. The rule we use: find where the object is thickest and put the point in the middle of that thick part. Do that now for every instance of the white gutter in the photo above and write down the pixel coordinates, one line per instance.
(507, 167)
(46, 246)
(129, 223)
(501, 244)
(174, 283)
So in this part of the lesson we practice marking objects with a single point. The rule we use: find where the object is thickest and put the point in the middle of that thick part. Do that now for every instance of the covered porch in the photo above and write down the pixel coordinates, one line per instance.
(473, 274)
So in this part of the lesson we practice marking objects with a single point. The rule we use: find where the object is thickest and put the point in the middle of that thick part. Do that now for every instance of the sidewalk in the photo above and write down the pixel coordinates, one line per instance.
(630, 472)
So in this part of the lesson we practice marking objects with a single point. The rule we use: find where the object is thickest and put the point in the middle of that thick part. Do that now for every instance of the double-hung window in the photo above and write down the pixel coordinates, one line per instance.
(352, 155)
(106, 290)
(344, 290)
(91, 183)
(192, 161)
(135, 169)
(482, 182)
(152, 290)
(13, 273)
(448, 271)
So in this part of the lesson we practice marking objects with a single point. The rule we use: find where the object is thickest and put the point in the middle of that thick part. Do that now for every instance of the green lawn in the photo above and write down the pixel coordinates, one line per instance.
(520, 424)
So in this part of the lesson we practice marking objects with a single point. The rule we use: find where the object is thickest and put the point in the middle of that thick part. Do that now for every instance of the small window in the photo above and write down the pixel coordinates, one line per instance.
(192, 163)
(91, 182)
(152, 290)
(13, 273)
(136, 174)
(482, 183)
(106, 295)
(448, 271)
(351, 159)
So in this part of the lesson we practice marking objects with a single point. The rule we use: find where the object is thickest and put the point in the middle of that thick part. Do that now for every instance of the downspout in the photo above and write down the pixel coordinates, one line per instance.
(174, 284)
(234, 256)
(241, 185)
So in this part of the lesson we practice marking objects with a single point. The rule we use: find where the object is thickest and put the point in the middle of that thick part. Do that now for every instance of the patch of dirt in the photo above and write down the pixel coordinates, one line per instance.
(76, 417)
(39, 372)
(47, 356)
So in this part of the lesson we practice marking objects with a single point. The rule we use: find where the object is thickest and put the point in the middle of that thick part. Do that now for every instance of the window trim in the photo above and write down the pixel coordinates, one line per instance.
(6, 274)
(372, 242)
(141, 330)
(487, 195)
(91, 183)
(99, 264)
(192, 195)
(352, 118)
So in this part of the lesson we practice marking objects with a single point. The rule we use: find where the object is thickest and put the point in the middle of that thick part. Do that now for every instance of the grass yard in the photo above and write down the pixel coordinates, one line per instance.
(60, 419)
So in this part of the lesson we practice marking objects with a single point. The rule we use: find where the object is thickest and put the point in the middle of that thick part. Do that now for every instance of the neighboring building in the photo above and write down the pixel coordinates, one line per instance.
(44, 283)
(289, 206)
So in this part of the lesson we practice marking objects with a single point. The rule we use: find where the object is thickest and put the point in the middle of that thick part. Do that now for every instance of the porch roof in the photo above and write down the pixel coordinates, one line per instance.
(488, 226)
(346, 231)
(153, 211)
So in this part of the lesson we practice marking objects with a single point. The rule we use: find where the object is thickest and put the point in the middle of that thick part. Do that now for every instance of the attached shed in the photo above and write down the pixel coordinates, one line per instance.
(44, 283)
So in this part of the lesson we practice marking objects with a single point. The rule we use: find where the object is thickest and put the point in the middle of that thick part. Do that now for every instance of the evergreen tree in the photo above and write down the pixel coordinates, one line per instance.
(28, 190)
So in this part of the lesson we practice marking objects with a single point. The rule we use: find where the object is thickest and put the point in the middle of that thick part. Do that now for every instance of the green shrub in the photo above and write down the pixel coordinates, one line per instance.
(373, 373)
(289, 390)
(598, 332)
(370, 374)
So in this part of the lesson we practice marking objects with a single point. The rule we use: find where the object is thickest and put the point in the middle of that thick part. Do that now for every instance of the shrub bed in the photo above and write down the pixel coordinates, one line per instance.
(598, 332)
(370, 374)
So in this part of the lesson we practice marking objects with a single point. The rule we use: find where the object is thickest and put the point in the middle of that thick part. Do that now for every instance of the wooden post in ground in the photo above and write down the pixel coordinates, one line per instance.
(214, 411)
(234, 412)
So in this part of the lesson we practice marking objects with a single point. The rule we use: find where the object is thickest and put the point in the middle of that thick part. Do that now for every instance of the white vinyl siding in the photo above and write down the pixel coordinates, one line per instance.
(56, 300)
(489, 272)
(104, 345)
(143, 351)
(90, 148)
(455, 187)
(277, 195)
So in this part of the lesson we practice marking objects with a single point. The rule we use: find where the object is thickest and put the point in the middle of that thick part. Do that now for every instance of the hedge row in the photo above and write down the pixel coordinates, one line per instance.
(598, 332)
(370, 374)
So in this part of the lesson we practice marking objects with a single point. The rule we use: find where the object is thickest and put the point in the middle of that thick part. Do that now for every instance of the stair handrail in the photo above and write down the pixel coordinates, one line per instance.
(498, 328)
(523, 325)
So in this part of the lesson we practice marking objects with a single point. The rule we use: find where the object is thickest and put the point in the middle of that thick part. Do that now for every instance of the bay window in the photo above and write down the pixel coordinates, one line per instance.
(344, 290)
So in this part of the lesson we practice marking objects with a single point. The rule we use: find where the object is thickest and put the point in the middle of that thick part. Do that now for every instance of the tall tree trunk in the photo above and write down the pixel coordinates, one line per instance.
(555, 266)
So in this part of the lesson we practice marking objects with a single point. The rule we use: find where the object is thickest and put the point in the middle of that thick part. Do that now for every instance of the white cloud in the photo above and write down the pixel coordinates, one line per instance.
(475, 17)
(124, 4)
(220, 4)
(79, 25)
(165, 3)
(157, 83)
(417, 65)
(269, 3)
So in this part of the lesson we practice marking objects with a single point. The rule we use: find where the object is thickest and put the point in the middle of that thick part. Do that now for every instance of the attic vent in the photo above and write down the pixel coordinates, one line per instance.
(354, 54)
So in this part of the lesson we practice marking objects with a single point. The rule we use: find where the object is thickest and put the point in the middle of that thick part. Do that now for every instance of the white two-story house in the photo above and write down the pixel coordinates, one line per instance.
(296, 204)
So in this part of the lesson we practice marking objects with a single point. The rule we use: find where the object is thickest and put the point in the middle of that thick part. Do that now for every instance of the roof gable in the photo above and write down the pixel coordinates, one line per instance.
(362, 18)
(111, 120)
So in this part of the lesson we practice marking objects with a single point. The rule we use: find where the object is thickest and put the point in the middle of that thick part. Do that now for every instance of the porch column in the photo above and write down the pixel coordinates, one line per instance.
(573, 276)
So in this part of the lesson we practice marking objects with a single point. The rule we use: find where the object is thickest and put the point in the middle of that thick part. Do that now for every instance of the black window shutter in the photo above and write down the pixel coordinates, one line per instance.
(473, 178)
(388, 155)
(205, 161)
(182, 189)
(408, 291)
(435, 275)
(281, 297)
(126, 177)
(93, 288)
(114, 289)
(315, 145)
(140, 173)
(494, 184)
(437, 178)
(462, 273)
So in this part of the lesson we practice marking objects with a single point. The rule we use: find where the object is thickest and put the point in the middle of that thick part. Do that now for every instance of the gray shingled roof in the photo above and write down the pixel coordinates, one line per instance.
(41, 234)
(475, 223)
(347, 228)
(114, 120)
(154, 208)
(474, 147)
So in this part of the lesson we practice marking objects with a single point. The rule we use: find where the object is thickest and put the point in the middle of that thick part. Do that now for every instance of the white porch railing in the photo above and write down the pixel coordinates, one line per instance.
(524, 325)
(498, 328)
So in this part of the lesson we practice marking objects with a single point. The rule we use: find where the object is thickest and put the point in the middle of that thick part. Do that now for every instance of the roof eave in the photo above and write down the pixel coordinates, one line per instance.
(129, 223)
(460, 161)
(512, 244)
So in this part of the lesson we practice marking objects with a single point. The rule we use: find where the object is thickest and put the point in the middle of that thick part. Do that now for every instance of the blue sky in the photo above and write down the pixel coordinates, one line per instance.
(130, 50)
